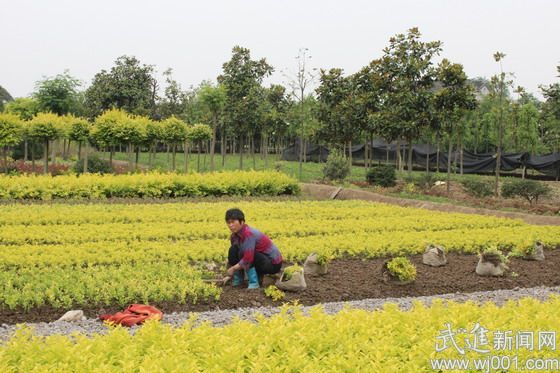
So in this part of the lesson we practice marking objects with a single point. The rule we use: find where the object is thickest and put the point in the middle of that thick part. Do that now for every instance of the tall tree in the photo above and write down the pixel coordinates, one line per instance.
(368, 83)
(500, 89)
(550, 131)
(242, 78)
(408, 68)
(58, 94)
(274, 116)
(129, 85)
(213, 99)
(299, 84)
(332, 92)
(452, 100)
(173, 101)
(26, 108)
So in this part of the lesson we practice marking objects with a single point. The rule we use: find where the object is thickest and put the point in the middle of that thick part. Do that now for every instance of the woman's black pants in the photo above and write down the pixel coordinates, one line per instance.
(261, 262)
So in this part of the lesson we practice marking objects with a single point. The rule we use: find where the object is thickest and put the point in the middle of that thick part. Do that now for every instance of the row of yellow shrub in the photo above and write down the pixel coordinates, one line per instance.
(388, 340)
(150, 185)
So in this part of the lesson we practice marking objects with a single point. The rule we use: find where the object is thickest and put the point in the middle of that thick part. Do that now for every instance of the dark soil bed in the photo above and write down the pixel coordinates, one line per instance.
(354, 279)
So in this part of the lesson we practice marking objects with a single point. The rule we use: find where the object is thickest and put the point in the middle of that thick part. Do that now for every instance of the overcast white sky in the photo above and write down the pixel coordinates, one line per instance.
(43, 38)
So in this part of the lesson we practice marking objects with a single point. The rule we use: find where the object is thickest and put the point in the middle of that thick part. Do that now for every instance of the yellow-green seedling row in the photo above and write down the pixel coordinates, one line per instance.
(387, 340)
(90, 244)
(30, 287)
(371, 245)
(150, 185)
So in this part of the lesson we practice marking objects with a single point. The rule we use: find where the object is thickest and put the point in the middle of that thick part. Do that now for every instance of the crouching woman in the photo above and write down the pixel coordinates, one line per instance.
(251, 251)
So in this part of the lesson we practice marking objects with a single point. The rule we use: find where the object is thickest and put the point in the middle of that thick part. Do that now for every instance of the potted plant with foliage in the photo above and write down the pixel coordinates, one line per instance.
(316, 264)
(492, 262)
(292, 279)
(399, 270)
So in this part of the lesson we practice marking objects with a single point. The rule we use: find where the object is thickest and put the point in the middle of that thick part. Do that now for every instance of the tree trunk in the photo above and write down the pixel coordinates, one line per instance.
(130, 162)
(46, 158)
(212, 147)
(25, 157)
(223, 149)
(398, 160)
(252, 144)
(499, 153)
(300, 158)
(449, 161)
(455, 157)
(5, 157)
(241, 152)
(86, 156)
(350, 155)
(387, 155)
(410, 156)
(64, 149)
(112, 151)
(32, 158)
(437, 153)
(186, 156)
(53, 153)
(428, 160)
(173, 164)
(79, 150)
(198, 157)
(366, 156)
(136, 160)
(205, 148)
(265, 151)
(461, 152)
(167, 151)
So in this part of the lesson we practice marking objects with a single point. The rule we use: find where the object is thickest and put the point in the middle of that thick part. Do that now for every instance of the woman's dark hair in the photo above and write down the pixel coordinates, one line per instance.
(235, 214)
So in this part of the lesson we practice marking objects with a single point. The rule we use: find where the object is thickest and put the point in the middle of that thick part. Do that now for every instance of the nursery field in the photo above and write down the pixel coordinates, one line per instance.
(96, 255)
(99, 256)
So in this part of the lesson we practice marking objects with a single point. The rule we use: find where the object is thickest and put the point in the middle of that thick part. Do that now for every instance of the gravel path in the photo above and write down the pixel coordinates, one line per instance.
(223, 317)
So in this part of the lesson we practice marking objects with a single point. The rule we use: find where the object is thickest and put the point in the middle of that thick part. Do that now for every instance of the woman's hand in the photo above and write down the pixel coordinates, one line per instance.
(232, 269)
